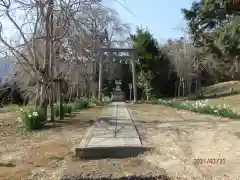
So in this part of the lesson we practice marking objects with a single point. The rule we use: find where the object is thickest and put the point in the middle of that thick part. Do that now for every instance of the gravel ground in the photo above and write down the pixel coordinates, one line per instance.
(113, 169)
(179, 137)
(122, 178)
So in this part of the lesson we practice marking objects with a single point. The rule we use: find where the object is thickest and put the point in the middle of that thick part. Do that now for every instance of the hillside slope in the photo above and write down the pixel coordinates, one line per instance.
(223, 94)
(222, 88)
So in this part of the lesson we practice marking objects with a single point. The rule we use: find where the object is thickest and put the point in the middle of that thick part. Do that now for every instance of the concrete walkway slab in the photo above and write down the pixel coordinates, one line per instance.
(111, 135)
(109, 142)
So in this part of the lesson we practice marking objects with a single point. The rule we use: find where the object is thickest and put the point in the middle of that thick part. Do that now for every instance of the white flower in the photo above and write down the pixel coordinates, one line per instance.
(219, 106)
(35, 113)
(29, 115)
(19, 119)
(216, 111)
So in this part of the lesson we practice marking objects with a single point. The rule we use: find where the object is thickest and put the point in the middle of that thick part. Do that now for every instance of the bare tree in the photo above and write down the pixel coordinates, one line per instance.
(186, 62)
(55, 44)
(101, 27)
(42, 23)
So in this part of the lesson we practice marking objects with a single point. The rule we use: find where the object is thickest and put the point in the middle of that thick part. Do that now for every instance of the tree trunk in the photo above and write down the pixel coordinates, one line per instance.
(51, 104)
(196, 88)
(38, 95)
(200, 87)
(189, 85)
(77, 95)
(147, 96)
(43, 103)
(60, 101)
(51, 56)
(175, 88)
(184, 89)
(43, 100)
(179, 87)
(100, 79)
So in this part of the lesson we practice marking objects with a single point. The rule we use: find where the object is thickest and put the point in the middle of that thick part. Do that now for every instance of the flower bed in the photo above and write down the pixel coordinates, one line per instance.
(201, 107)
(34, 118)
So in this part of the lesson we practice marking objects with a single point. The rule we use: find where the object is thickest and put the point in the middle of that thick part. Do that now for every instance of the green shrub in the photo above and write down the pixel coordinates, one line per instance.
(33, 119)
(81, 104)
(93, 100)
(85, 104)
(56, 110)
(64, 109)
(74, 106)
(69, 108)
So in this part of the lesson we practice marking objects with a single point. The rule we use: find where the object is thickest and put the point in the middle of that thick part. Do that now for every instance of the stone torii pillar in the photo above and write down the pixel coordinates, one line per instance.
(134, 78)
(100, 78)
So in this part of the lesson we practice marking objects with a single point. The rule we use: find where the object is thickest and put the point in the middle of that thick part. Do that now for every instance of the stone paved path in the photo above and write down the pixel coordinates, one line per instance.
(113, 130)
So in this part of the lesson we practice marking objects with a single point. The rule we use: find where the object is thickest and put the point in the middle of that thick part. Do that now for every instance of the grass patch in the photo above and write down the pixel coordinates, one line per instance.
(8, 108)
(56, 158)
(201, 107)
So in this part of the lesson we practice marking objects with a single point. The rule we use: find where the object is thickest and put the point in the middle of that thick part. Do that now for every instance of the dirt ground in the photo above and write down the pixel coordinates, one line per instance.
(41, 154)
(49, 154)
(180, 137)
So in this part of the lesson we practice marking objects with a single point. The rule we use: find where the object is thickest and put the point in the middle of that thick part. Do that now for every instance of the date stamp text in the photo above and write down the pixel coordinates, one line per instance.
(209, 161)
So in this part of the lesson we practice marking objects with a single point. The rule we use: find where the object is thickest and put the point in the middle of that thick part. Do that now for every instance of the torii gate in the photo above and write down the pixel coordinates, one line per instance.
(131, 56)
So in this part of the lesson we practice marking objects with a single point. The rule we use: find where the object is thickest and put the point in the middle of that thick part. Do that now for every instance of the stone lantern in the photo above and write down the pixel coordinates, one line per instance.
(118, 94)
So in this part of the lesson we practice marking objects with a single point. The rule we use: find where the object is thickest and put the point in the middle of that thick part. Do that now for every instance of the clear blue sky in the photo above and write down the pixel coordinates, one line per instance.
(160, 16)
